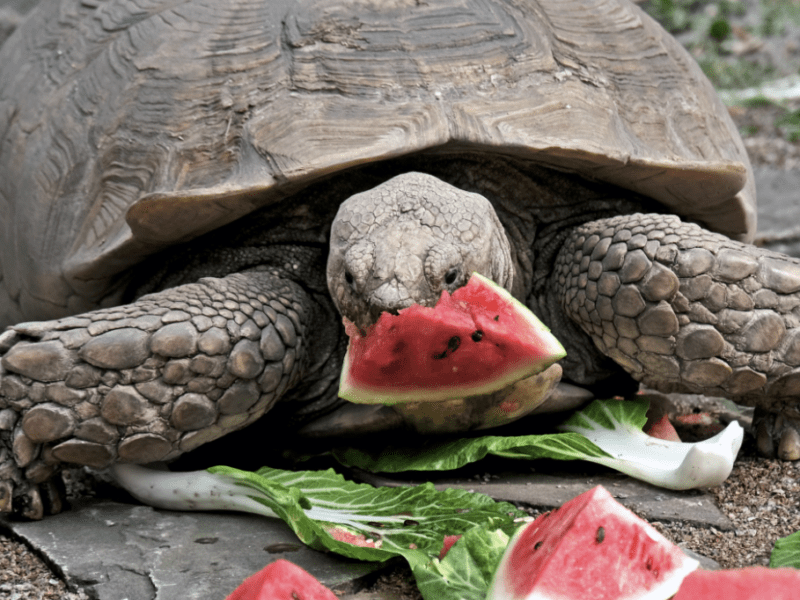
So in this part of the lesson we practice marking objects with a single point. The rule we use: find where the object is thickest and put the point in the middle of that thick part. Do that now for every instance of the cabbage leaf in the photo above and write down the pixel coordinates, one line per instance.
(607, 432)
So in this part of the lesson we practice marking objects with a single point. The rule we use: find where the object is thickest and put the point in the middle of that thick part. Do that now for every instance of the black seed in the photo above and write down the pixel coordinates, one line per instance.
(497, 317)
(538, 545)
(649, 563)
(282, 547)
(410, 523)
(600, 535)
(295, 596)
(452, 345)
(206, 540)
(477, 335)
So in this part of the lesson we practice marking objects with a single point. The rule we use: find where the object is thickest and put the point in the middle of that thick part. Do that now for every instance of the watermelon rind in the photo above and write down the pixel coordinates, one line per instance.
(550, 348)
(591, 547)
(481, 412)
(749, 583)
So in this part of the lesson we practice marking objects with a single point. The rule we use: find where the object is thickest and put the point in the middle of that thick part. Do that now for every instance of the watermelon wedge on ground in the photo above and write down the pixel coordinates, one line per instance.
(751, 583)
(476, 341)
(591, 547)
(282, 580)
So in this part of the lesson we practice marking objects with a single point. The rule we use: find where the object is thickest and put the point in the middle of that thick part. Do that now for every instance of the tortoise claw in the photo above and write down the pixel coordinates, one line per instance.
(28, 492)
(6, 495)
(777, 435)
(33, 507)
(789, 445)
(53, 495)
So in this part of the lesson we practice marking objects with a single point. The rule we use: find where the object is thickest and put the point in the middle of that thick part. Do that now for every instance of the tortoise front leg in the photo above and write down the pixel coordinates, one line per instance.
(152, 379)
(684, 309)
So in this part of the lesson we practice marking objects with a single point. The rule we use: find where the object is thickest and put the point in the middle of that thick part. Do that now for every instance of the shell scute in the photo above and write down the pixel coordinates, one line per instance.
(174, 119)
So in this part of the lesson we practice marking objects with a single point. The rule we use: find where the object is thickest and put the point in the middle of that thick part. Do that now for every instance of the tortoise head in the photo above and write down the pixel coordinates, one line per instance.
(407, 240)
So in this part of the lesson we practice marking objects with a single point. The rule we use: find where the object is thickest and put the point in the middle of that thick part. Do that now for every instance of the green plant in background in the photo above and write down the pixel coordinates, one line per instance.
(674, 15)
(789, 124)
(777, 15)
(709, 28)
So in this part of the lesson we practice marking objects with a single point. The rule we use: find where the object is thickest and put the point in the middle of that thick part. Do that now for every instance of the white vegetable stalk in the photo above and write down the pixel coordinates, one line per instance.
(201, 490)
(191, 490)
(671, 465)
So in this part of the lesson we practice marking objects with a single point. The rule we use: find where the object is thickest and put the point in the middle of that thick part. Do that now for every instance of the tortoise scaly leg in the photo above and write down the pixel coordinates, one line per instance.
(152, 379)
(684, 309)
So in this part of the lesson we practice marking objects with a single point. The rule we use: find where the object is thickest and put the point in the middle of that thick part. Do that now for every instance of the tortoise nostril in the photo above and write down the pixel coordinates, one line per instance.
(451, 276)
(348, 277)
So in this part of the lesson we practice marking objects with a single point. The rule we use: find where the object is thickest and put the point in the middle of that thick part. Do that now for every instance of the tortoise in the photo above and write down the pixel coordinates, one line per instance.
(194, 194)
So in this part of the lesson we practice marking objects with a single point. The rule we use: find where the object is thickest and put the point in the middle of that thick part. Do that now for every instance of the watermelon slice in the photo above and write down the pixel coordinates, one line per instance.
(741, 584)
(282, 580)
(476, 341)
(591, 547)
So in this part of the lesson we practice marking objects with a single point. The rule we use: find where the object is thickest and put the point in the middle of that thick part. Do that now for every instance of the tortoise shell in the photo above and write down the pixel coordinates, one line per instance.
(127, 128)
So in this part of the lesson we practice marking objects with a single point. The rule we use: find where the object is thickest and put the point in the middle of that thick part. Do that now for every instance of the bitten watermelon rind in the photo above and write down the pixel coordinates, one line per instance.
(749, 583)
(548, 347)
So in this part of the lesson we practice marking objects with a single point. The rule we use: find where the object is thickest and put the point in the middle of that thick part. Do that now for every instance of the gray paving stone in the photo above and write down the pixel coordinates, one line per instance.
(121, 551)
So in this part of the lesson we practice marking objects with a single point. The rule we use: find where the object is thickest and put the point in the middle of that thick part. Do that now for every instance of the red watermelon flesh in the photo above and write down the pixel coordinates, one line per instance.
(751, 583)
(476, 341)
(591, 547)
(282, 580)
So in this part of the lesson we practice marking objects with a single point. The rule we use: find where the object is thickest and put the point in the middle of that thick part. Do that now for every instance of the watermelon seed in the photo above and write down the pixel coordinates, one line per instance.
(452, 345)
(649, 563)
(538, 545)
(497, 317)
(295, 596)
(477, 335)
(410, 523)
(601, 534)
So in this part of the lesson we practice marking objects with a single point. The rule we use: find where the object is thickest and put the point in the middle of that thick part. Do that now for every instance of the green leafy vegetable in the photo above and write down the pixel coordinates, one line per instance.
(607, 432)
(786, 552)
(467, 570)
(446, 456)
(326, 511)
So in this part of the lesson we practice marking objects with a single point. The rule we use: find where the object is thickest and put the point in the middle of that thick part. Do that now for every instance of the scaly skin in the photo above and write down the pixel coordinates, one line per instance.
(152, 379)
(684, 309)
(407, 240)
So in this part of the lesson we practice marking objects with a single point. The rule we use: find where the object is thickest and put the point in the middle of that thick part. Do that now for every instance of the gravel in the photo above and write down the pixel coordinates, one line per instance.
(23, 576)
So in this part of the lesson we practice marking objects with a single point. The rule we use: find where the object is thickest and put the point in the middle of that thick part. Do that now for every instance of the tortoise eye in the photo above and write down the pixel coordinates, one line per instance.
(451, 276)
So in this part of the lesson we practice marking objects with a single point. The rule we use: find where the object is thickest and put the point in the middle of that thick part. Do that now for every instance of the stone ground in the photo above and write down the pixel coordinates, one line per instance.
(110, 548)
